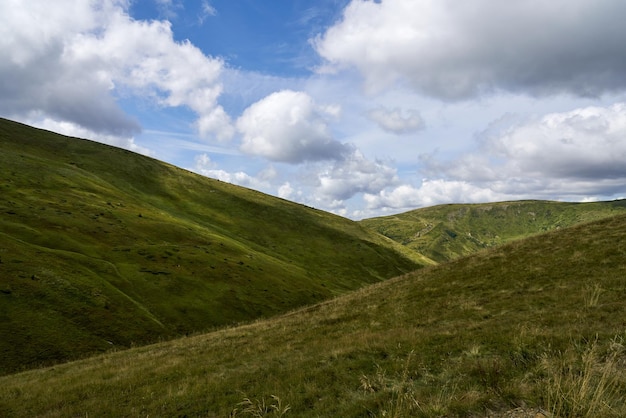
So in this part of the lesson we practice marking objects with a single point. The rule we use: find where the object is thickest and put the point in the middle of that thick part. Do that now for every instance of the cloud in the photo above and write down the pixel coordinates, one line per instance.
(430, 192)
(562, 155)
(576, 155)
(73, 61)
(453, 50)
(206, 167)
(352, 175)
(285, 191)
(395, 121)
(287, 126)
(168, 8)
(585, 143)
(206, 10)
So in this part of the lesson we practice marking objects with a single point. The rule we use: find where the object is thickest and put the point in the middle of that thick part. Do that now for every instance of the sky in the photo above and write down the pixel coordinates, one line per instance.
(361, 108)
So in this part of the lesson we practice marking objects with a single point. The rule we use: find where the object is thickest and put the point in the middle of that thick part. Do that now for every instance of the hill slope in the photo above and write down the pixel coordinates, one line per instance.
(102, 248)
(535, 324)
(446, 232)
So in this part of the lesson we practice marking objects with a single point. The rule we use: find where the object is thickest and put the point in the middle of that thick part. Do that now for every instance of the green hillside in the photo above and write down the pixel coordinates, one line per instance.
(533, 328)
(102, 248)
(446, 232)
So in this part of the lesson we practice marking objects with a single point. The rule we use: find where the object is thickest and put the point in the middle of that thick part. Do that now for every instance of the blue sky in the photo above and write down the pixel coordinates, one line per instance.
(362, 108)
(269, 37)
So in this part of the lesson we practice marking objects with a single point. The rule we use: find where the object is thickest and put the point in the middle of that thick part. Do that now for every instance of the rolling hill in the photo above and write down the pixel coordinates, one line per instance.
(102, 248)
(445, 232)
(532, 328)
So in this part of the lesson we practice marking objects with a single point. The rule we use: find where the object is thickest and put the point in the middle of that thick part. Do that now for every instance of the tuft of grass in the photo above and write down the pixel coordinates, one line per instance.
(396, 393)
(260, 408)
(584, 381)
(592, 295)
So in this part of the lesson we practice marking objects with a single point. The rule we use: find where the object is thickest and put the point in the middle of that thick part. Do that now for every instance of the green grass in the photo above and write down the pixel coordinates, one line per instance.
(533, 325)
(446, 232)
(102, 249)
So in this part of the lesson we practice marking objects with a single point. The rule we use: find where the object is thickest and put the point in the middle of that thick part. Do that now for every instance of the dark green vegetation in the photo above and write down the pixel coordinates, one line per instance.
(534, 324)
(446, 232)
(102, 248)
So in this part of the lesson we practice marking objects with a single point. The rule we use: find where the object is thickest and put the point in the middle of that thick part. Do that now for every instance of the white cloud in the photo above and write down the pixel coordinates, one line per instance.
(396, 121)
(203, 163)
(217, 122)
(453, 50)
(584, 143)
(431, 192)
(206, 10)
(169, 8)
(72, 60)
(565, 155)
(287, 126)
(207, 167)
(285, 191)
(352, 175)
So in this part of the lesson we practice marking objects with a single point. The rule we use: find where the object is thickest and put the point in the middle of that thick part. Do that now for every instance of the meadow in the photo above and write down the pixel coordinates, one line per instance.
(102, 248)
(535, 326)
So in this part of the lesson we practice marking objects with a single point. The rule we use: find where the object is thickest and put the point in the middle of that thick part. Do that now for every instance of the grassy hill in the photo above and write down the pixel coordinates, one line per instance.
(446, 232)
(102, 248)
(534, 325)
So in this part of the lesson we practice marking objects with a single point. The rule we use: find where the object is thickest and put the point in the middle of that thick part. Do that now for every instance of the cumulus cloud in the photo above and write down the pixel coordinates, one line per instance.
(285, 191)
(207, 167)
(429, 193)
(72, 60)
(562, 155)
(396, 121)
(576, 155)
(352, 175)
(584, 143)
(453, 50)
(288, 126)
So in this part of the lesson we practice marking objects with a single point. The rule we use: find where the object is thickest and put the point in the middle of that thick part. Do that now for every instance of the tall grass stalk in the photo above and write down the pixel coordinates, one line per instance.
(583, 384)
(260, 408)
(592, 296)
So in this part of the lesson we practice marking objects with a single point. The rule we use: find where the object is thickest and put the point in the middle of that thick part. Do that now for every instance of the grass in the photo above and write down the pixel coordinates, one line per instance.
(260, 408)
(102, 249)
(584, 382)
(446, 232)
(508, 329)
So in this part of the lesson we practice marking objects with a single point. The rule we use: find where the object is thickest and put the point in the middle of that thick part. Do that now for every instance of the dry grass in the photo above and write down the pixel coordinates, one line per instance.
(585, 382)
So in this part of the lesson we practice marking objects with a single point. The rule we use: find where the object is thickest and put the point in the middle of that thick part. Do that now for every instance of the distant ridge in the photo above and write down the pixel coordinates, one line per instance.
(103, 248)
(446, 232)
